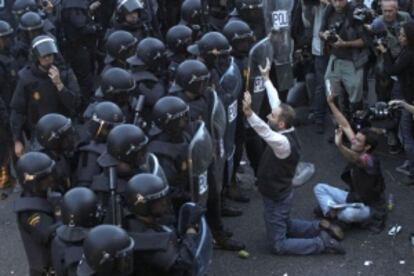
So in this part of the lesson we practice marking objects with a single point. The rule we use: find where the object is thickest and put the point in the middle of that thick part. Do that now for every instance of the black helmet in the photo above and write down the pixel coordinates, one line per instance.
(150, 53)
(31, 21)
(178, 38)
(142, 191)
(127, 6)
(22, 6)
(169, 112)
(250, 10)
(43, 45)
(33, 169)
(79, 207)
(106, 115)
(210, 47)
(55, 132)
(240, 36)
(109, 250)
(193, 12)
(120, 45)
(5, 29)
(192, 76)
(117, 85)
(126, 143)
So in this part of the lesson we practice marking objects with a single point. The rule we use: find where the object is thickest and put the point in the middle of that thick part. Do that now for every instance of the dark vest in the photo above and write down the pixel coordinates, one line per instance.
(275, 175)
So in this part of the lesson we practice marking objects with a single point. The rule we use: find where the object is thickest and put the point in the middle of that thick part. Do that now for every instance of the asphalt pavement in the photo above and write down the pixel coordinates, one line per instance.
(367, 254)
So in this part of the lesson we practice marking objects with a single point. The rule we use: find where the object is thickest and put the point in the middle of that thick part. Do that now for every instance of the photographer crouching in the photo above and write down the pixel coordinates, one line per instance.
(403, 68)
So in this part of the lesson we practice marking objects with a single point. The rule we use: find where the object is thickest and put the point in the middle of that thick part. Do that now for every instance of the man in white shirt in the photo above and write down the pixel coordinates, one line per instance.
(275, 174)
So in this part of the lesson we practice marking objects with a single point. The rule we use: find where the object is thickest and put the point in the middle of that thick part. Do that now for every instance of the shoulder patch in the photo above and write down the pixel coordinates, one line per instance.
(34, 219)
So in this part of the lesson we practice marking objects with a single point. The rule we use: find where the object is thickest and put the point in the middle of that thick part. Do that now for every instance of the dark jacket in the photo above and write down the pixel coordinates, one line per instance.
(403, 68)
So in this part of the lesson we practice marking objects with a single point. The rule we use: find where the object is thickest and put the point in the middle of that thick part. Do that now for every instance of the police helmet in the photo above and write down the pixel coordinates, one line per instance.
(150, 53)
(55, 132)
(192, 13)
(240, 35)
(30, 22)
(127, 6)
(5, 29)
(22, 6)
(250, 10)
(107, 250)
(125, 143)
(210, 47)
(178, 38)
(32, 169)
(169, 112)
(79, 207)
(120, 45)
(192, 76)
(43, 45)
(117, 85)
(106, 115)
(142, 191)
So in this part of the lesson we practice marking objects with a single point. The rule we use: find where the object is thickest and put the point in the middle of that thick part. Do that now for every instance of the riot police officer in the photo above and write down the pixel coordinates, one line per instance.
(8, 71)
(191, 84)
(106, 115)
(107, 250)
(118, 86)
(35, 214)
(120, 45)
(164, 253)
(251, 12)
(170, 115)
(57, 137)
(79, 212)
(43, 87)
(178, 39)
(136, 17)
(149, 67)
(80, 34)
(194, 14)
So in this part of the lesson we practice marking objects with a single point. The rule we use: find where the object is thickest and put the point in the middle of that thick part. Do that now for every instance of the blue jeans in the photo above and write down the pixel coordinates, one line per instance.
(407, 138)
(290, 236)
(319, 97)
(327, 195)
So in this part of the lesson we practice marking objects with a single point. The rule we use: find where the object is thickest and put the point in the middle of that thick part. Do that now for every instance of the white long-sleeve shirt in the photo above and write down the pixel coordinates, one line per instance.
(276, 140)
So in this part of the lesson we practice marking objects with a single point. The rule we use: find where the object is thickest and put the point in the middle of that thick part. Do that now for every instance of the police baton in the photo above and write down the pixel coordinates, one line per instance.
(115, 199)
(138, 121)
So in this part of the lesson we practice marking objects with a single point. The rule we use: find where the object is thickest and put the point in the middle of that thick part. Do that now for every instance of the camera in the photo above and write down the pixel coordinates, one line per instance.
(380, 111)
(333, 32)
(363, 15)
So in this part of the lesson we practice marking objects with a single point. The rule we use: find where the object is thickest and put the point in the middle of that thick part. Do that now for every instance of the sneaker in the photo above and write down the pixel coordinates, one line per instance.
(331, 245)
(404, 168)
(334, 230)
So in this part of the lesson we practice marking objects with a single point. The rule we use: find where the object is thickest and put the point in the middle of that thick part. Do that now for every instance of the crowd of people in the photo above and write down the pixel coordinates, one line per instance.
(124, 124)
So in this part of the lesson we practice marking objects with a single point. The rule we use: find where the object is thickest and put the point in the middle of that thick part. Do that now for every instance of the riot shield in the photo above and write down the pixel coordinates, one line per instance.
(258, 55)
(231, 82)
(155, 168)
(217, 129)
(199, 160)
(278, 23)
(188, 217)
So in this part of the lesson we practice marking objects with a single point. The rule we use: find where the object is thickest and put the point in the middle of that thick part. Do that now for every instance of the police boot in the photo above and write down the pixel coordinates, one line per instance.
(222, 241)
(235, 193)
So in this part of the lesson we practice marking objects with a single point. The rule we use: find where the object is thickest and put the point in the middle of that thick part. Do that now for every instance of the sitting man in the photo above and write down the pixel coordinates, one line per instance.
(365, 202)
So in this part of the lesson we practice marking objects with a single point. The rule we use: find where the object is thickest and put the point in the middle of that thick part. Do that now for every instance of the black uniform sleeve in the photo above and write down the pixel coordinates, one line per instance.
(39, 225)
(70, 94)
(18, 107)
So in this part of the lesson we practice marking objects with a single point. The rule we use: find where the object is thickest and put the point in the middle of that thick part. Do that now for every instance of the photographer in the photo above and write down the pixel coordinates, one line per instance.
(403, 68)
(345, 39)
